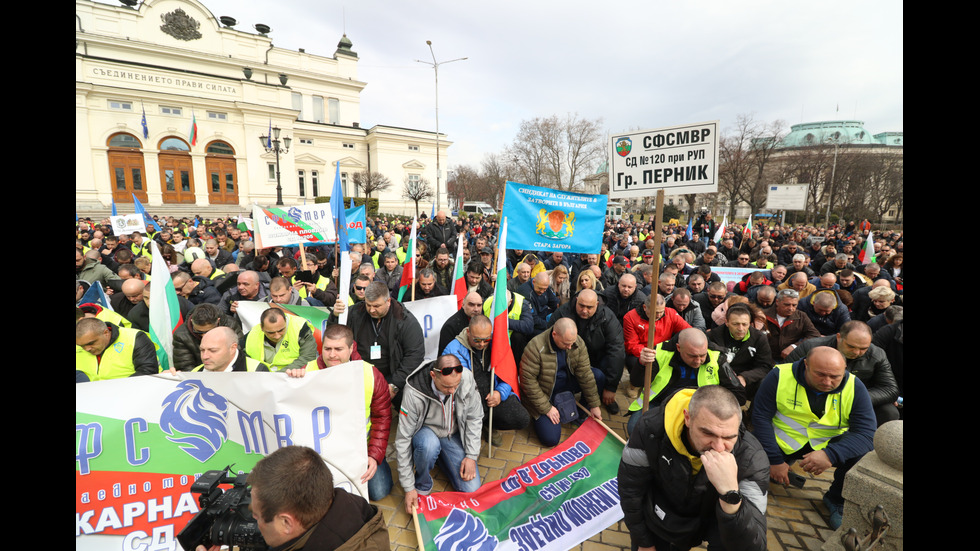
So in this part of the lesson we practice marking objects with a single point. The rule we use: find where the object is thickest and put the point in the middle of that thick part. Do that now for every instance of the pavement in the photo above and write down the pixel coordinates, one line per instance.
(797, 518)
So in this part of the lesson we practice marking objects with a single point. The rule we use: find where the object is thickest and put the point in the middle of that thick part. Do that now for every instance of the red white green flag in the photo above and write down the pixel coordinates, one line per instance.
(721, 230)
(501, 354)
(193, 132)
(164, 309)
(867, 254)
(459, 274)
(747, 232)
(408, 267)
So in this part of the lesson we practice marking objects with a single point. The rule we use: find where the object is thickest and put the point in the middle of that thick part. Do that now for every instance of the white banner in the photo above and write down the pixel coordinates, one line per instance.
(279, 226)
(127, 224)
(141, 441)
(678, 159)
(432, 313)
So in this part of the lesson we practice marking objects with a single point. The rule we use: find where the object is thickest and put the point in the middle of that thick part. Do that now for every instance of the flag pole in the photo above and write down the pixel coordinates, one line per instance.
(418, 529)
(490, 427)
(605, 426)
(652, 306)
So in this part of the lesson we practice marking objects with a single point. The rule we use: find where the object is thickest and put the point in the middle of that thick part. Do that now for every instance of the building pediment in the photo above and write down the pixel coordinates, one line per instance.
(350, 162)
(308, 159)
(414, 164)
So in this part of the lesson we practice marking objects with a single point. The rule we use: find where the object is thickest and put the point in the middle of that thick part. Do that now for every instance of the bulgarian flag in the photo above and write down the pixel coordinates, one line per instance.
(408, 268)
(193, 133)
(721, 230)
(164, 309)
(867, 254)
(747, 232)
(244, 226)
(459, 275)
(501, 355)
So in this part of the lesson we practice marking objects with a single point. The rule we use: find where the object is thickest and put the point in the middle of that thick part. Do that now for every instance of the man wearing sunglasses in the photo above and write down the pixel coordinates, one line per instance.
(440, 419)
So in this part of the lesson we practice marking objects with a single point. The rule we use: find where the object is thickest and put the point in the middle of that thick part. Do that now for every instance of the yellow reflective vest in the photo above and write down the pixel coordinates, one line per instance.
(707, 374)
(796, 424)
(514, 313)
(286, 351)
(117, 359)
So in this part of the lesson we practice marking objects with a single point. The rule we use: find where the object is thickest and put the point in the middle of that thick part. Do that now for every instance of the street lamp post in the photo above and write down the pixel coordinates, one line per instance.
(271, 144)
(435, 65)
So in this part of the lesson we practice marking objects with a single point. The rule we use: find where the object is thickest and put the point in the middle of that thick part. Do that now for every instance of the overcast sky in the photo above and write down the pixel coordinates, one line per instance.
(635, 65)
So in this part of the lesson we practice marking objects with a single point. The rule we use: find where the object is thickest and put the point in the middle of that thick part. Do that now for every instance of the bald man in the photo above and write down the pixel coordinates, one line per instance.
(684, 363)
(131, 295)
(541, 298)
(816, 412)
(220, 354)
(557, 361)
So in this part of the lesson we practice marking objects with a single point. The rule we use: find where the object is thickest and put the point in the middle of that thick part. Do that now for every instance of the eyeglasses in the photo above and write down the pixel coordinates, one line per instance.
(446, 371)
(359, 288)
(478, 339)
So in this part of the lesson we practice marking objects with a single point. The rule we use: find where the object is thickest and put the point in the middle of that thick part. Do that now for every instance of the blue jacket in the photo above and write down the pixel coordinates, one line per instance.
(460, 348)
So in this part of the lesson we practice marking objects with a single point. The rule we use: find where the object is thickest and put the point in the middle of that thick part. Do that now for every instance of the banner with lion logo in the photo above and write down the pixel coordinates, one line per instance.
(556, 501)
(544, 219)
(140, 443)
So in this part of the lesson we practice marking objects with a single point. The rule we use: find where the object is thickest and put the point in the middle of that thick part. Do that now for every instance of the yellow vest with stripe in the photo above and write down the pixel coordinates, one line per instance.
(215, 273)
(117, 358)
(707, 374)
(251, 365)
(514, 314)
(795, 423)
(286, 351)
(114, 318)
(321, 284)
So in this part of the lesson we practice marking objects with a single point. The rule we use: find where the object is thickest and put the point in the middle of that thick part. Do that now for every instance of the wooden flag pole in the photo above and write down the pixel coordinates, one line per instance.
(652, 306)
(418, 529)
(490, 428)
(605, 426)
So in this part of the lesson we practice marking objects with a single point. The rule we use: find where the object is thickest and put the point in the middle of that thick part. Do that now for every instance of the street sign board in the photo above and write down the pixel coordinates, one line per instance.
(786, 197)
(678, 159)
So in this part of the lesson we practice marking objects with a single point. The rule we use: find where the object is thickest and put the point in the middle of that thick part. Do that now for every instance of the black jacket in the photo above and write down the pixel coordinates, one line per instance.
(400, 338)
(603, 336)
(661, 495)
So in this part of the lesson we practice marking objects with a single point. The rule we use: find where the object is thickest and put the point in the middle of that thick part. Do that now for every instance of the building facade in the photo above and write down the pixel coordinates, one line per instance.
(171, 102)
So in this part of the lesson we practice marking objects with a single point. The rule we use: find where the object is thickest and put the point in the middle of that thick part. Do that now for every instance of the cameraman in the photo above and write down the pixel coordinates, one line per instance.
(297, 507)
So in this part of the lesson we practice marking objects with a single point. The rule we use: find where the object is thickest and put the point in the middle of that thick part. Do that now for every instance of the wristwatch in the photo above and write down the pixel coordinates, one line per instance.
(733, 497)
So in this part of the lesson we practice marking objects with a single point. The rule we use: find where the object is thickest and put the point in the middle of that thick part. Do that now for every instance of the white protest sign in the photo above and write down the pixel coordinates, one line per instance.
(678, 159)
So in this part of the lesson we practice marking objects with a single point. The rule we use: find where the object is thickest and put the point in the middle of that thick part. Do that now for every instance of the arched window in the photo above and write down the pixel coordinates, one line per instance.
(176, 171)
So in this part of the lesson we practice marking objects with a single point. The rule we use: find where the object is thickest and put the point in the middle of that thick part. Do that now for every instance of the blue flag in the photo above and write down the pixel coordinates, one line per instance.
(337, 210)
(114, 213)
(146, 131)
(553, 220)
(95, 295)
(147, 219)
(689, 234)
(433, 217)
(351, 202)
(268, 141)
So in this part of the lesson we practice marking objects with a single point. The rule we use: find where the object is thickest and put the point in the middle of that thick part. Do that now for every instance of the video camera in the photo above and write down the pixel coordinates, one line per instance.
(224, 518)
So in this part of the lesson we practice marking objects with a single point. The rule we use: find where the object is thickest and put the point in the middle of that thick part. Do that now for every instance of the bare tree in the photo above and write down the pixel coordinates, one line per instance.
(417, 190)
(369, 182)
(555, 152)
(495, 172)
(745, 151)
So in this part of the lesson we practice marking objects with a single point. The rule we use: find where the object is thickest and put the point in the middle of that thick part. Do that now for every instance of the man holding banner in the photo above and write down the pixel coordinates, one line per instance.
(691, 473)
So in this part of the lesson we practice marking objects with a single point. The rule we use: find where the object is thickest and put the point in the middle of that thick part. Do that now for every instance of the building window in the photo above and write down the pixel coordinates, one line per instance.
(298, 104)
(306, 141)
(217, 116)
(413, 148)
(302, 183)
(120, 105)
(348, 146)
(333, 105)
(317, 109)
(414, 179)
(272, 171)
(176, 111)
(343, 183)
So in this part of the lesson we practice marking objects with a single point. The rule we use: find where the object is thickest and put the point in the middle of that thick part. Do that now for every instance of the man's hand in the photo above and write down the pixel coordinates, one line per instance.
(647, 355)
(411, 501)
(608, 397)
(780, 473)
(467, 471)
(596, 413)
(554, 416)
(787, 351)
(369, 473)
(339, 306)
(297, 373)
(722, 470)
(815, 462)
(493, 399)
(392, 390)
(234, 306)
(741, 379)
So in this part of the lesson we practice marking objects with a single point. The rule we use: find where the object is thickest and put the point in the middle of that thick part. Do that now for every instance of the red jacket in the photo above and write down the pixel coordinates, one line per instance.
(636, 328)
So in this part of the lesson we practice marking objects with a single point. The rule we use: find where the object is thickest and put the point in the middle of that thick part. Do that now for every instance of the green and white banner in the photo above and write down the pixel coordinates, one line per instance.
(556, 501)
(140, 443)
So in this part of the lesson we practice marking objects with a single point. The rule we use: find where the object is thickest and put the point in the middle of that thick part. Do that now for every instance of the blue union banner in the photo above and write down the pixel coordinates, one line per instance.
(543, 219)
